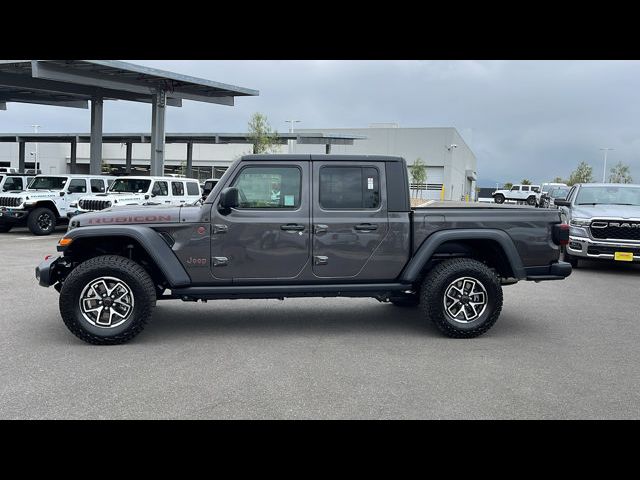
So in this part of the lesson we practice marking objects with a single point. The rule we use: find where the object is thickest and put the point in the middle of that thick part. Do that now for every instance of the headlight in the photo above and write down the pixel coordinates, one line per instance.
(109, 204)
(580, 222)
(73, 224)
(578, 232)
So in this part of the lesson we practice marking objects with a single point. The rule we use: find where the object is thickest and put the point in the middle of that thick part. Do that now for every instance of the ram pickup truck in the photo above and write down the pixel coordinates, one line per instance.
(604, 220)
(280, 226)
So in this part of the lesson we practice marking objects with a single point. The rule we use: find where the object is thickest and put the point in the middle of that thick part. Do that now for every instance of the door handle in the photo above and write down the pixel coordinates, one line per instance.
(319, 228)
(366, 227)
(292, 227)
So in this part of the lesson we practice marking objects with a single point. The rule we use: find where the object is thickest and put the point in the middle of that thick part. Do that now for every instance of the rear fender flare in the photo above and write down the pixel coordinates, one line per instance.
(413, 269)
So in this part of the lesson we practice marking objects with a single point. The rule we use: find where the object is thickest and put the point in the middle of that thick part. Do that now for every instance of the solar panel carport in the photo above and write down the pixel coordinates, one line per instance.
(78, 83)
(326, 139)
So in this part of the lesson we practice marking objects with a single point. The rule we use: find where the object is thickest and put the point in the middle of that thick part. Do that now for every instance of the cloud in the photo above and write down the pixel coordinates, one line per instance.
(533, 119)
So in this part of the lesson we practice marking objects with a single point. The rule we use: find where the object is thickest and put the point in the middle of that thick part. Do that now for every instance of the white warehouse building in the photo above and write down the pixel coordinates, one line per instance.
(449, 161)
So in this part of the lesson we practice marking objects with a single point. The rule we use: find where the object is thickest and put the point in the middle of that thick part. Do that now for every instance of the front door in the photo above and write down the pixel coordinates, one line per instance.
(349, 216)
(268, 235)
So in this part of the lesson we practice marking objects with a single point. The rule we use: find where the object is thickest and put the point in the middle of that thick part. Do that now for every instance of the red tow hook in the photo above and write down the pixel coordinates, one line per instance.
(48, 257)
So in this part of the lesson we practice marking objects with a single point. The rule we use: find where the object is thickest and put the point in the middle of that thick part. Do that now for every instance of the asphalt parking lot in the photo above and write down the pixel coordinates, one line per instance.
(560, 350)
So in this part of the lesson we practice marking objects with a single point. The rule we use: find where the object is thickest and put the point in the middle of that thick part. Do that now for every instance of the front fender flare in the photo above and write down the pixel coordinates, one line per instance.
(150, 240)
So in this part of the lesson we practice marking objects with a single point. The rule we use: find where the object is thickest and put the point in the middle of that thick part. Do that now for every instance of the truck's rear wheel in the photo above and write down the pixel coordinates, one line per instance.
(462, 296)
(41, 221)
(107, 300)
(499, 198)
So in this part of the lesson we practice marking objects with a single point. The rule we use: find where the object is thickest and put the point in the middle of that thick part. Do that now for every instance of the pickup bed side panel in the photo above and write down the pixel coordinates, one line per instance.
(530, 229)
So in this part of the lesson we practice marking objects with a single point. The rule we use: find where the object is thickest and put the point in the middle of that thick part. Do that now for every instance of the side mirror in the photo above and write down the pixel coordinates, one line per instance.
(229, 198)
(562, 203)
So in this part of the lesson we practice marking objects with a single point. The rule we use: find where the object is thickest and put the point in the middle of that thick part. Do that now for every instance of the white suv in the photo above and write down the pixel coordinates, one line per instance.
(522, 193)
(141, 191)
(46, 201)
(14, 182)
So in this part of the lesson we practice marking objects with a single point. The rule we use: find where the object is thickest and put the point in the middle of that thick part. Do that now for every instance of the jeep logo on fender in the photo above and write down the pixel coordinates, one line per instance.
(130, 219)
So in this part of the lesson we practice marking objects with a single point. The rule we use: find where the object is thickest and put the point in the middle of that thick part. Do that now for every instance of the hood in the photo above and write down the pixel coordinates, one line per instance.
(130, 215)
(32, 193)
(139, 214)
(117, 197)
(598, 211)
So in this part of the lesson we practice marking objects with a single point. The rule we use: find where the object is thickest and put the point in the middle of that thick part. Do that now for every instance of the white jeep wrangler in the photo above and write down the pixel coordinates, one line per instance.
(519, 193)
(140, 191)
(46, 201)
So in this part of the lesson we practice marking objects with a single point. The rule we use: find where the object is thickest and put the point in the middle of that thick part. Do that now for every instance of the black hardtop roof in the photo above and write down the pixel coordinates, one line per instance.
(322, 158)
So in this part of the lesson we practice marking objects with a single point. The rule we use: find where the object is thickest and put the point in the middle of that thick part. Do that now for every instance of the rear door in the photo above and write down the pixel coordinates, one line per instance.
(349, 216)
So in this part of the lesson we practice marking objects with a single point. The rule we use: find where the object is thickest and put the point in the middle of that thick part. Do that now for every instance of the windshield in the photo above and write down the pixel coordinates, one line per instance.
(608, 195)
(48, 183)
(130, 185)
(559, 193)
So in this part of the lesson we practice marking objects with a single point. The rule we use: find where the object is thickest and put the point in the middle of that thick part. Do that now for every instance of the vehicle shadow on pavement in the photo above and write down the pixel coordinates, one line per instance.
(170, 321)
(606, 267)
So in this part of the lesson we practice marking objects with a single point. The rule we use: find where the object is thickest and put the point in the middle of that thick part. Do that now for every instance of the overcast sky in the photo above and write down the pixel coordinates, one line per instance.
(522, 119)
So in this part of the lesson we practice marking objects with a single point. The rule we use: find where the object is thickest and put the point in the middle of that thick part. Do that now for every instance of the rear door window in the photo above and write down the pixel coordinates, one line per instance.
(349, 188)
(160, 189)
(177, 188)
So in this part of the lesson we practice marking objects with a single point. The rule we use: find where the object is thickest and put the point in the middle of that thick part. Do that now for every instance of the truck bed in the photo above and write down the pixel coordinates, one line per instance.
(530, 228)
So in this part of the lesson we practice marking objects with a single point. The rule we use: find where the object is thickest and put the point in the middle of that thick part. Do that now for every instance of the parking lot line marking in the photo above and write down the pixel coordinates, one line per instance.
(34, 238)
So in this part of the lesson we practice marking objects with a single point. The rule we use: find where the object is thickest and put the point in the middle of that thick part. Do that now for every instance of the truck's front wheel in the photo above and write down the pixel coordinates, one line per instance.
(41, 221)
(462, 296)
(107, 300)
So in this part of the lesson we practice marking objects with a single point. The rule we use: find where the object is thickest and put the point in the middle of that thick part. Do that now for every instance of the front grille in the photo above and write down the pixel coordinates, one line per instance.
(601, 249)
(94, 205)
(631, 230)
(9, 201)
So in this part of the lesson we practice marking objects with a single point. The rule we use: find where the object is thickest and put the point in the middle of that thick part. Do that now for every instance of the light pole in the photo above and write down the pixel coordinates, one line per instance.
(35, 129)
(451, 148)
(604, 168)
(290, 142)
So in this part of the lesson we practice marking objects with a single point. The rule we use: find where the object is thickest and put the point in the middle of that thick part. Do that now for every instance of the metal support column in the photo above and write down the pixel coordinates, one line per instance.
(327, 148)
(21, 151)
(73, 156)
(95, 162)
(189, 172)
(128, 161)
(158, 133)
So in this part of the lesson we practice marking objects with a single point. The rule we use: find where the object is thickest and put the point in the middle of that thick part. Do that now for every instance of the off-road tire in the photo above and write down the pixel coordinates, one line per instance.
(5, 228)
(33, 221)
(434, 288)
(499, 198)
(128, 271)
(531, 201)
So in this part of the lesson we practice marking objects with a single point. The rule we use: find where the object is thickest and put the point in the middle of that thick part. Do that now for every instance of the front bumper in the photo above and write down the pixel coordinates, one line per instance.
(47, 272)
(583, 247)
(13, 215)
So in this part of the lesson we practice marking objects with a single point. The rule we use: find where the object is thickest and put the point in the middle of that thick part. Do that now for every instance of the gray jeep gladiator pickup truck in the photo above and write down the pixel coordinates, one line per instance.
(280, 226)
